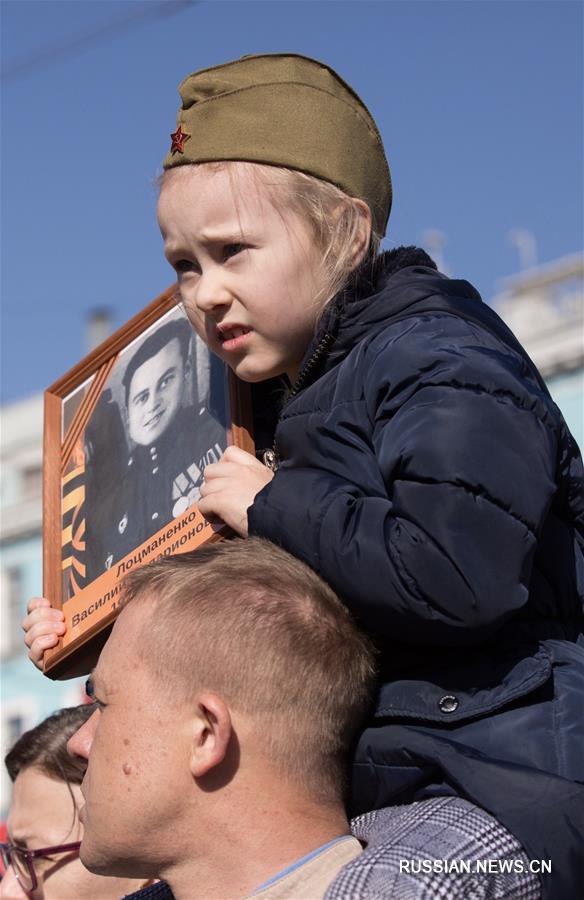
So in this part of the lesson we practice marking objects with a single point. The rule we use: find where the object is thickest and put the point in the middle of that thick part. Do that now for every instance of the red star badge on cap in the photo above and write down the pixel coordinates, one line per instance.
(179, 139)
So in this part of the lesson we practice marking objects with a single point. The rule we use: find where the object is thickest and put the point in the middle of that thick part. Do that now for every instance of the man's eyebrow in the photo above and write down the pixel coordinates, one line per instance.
(168, 372)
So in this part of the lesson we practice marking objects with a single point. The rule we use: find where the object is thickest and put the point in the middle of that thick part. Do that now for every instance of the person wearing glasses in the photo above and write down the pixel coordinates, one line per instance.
(41, 857)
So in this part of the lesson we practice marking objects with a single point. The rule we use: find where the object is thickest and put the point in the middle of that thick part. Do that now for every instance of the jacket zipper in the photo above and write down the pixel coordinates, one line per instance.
(270, 457)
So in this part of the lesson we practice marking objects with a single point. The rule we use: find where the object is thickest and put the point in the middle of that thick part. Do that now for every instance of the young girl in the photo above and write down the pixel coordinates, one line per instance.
(418, 463)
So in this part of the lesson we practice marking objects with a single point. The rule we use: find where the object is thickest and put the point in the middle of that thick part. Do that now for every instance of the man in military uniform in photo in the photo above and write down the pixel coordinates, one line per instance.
(173, 437)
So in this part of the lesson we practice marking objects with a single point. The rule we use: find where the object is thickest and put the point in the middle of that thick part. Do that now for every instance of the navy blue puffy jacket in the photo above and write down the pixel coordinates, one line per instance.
(428, 477)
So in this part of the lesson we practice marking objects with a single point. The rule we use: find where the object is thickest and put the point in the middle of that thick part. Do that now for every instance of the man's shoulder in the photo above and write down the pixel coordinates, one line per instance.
(444, 846)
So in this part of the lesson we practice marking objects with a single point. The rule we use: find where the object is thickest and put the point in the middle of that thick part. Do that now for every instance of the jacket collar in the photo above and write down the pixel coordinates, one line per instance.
(399, 279)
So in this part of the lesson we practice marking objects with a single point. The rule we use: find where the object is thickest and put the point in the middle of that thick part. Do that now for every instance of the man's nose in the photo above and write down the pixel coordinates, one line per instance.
(79, 744)
(154, 401)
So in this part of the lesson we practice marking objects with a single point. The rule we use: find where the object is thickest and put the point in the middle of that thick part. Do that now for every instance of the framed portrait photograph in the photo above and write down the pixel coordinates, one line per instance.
(127, 435)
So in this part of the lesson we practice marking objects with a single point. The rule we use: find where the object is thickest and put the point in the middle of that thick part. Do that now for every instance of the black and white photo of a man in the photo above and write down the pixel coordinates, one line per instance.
(154, 473)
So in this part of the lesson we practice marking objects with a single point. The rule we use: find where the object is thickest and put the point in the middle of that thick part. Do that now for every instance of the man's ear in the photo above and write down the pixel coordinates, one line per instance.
(363, 235)
(212, 731)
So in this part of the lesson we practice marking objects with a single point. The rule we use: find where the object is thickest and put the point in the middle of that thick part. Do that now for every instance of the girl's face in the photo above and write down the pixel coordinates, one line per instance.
(247, 271)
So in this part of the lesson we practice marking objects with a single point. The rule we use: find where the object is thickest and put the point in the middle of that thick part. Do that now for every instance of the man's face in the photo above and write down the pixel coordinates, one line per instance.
(138, 748)
(155, 394)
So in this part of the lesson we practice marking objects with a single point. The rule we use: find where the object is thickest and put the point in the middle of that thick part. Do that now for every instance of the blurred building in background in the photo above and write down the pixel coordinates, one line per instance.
(543, 305)
(26, 695)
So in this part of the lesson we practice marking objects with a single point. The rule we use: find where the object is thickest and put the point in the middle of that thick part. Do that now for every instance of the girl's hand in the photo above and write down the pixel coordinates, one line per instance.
(230, 487)
(42, 628)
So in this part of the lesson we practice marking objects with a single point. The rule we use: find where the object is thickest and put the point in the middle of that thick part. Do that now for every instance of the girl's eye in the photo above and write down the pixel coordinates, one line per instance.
(184, 265)
(232, 250)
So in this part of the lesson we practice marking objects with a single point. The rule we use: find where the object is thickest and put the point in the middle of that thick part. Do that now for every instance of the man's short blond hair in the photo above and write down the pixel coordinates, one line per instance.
(245, 619)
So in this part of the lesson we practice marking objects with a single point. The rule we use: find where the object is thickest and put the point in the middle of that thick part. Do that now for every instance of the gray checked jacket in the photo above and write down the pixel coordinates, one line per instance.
(439, 849)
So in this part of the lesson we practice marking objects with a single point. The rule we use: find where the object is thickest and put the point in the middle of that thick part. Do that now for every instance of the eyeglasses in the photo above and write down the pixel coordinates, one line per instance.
(22, 861)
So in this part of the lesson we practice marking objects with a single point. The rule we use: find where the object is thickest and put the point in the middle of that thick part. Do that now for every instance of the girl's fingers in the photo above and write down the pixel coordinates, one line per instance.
(237, 471)
(222, 470)
(231, 462)
(230, 487)
(42, 614)
(213, 507)
(212, 517)
(239, 456)
(36, 603)
(219, 507)
(43, 626)
(213, 470)
(226, 476)
(37, 650)
(212, 487)
(207, 503)
(42, 630)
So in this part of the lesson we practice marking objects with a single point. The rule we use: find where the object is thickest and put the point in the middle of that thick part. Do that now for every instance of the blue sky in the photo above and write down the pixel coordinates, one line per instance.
(479, 102)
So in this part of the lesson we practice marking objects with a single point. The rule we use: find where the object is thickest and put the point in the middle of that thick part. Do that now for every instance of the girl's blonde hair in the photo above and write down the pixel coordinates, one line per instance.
(333, 217)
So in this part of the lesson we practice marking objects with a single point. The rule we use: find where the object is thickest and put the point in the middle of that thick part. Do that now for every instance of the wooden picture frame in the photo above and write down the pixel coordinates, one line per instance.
(123, 466)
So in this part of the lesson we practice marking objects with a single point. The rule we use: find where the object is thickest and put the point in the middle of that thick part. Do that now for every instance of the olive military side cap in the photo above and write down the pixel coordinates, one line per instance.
(287, 110)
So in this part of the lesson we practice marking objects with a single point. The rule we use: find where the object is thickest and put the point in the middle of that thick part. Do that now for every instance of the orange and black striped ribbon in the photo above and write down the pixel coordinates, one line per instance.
(73, 525)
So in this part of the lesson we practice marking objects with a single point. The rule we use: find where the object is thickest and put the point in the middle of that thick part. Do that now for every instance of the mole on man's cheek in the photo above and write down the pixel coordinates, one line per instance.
(127, 769)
